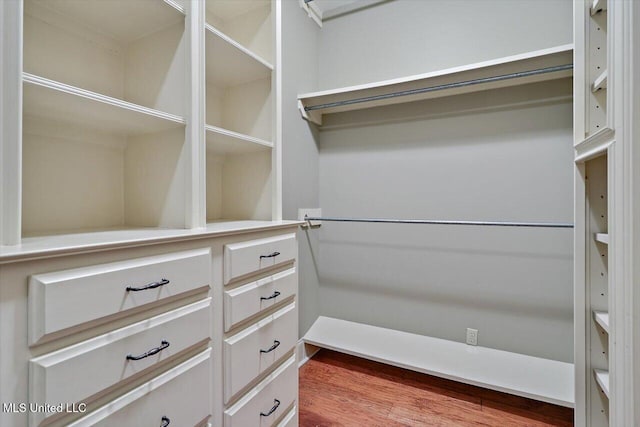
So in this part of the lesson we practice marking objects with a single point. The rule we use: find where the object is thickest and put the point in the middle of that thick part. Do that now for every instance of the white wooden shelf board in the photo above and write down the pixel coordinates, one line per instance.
(532, 377)
(600, 82)
(602, 378)
(123, 20)
(223, 141)
(602, 238)
(95, 240)
(598, 6)
(552, 57)
(231, 64)
(602, 319)
(54, 100)
(594, 146)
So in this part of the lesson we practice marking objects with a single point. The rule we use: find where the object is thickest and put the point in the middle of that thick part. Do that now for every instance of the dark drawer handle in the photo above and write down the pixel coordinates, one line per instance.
(149, 286)
(164, 344)
(271, 255)
(276, 403)
(165, 421)
(275, 345)
(273, 295)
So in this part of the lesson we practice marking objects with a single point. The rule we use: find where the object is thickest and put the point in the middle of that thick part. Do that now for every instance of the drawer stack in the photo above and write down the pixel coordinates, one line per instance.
(261, 332)
(135, 374)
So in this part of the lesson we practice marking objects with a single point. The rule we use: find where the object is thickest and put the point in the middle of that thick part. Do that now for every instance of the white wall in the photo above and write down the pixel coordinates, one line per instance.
(508, 156)
(300, 152)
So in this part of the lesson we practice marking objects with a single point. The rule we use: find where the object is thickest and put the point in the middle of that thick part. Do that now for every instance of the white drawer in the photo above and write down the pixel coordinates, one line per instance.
(255, 349)
(247, 300)
(65, 299)
(265, 403)
(244, 258)
(289, 420)
(181, 394)
(78, 372)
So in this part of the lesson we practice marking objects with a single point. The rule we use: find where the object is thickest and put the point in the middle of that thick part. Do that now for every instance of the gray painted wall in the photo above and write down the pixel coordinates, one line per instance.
(300, 151)
(500, 155)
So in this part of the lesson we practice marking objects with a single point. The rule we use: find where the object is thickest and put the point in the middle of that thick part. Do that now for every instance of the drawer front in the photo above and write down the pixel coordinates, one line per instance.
(71, 298)
(244, 258)
(266, 403)
(247, 300)
(255, 349)
(289, 420)
(163, 396)
(78, 372)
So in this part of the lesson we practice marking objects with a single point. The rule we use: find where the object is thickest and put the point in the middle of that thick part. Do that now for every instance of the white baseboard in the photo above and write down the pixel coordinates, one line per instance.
(305, 352)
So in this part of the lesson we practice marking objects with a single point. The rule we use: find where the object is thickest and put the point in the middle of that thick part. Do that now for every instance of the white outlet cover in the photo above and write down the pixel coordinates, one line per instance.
(472, 336)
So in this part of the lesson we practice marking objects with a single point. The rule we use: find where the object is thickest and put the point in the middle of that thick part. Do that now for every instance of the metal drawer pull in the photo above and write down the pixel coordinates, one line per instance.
(273, 295)
(275, 345)
(164, 344)
(271, 255)
(165, 421)
(276, 403)
(149, 286)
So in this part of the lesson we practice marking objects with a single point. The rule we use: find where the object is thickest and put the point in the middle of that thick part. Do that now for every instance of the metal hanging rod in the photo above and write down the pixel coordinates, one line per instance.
(441, 87)
(309, 220)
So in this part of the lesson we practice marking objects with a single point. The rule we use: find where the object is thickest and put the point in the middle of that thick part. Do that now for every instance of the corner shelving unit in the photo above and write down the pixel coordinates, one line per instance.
(542, 65)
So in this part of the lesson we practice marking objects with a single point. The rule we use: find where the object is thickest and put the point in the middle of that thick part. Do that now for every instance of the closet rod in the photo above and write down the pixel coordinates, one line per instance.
(308, 219)
(441, 87)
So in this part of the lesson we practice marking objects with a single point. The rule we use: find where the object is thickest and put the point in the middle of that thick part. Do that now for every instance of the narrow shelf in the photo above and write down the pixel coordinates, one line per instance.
(59, 101)
(223, 141)
(600, 82)
(123, 20)
(542, 65)
(602, 319)
(602, 378)
(598, 6)
(602, 238)
(231, 64)
(533, 377)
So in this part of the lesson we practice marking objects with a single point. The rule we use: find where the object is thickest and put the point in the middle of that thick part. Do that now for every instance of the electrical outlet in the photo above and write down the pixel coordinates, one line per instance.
(472, 336)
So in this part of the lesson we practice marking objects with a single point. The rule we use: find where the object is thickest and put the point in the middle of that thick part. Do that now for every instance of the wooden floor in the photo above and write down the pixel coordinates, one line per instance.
(341, 390)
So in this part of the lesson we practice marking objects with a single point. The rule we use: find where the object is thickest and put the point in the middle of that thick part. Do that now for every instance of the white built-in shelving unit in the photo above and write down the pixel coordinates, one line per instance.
(146, 114)
(543, 65)
(239, 110)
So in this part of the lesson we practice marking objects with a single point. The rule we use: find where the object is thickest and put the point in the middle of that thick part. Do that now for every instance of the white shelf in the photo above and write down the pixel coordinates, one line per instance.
(598, 6)
(59, 101)
(553, 57)
(123, 20)
(602, 238)
(602, 378)
(602, 319)
(532, 377)
(223, 141)
(231, 64)
(600, 82)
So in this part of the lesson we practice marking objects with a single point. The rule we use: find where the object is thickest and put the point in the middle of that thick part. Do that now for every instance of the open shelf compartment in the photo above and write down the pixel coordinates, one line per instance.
(543, 65)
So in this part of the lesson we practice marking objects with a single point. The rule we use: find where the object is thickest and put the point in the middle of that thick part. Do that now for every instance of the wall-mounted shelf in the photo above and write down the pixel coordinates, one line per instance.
(223, 141)
(230, 63)
(602, 319)
(54, 100)
(602, 378)
(600, 82)
(602, 238)
(542, 65)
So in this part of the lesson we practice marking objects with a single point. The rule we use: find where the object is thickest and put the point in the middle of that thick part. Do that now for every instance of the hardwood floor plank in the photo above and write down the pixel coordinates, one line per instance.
(343, 391)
